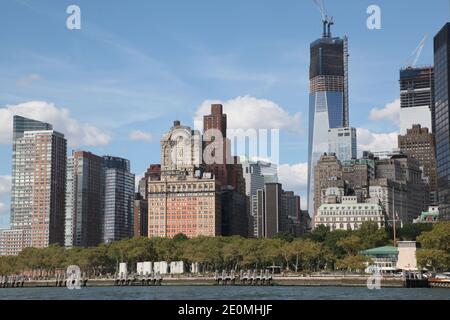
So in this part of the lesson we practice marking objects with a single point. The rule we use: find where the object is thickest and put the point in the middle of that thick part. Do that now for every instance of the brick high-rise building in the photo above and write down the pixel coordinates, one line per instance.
(38, 183)
(419, 143)
(358, 173)
(153, 173)
(186, 199)
(217, 121)
(399, 185)
(327, 174)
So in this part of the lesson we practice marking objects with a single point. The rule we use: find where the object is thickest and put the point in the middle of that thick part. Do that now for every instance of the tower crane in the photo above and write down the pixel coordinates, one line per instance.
(327, 21)
(416, 53)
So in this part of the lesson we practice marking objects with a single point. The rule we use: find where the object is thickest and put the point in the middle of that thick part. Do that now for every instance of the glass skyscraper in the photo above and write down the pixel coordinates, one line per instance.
(118, 199)
(441, 117)
(328, 101)
(342, 142)
(84, 193)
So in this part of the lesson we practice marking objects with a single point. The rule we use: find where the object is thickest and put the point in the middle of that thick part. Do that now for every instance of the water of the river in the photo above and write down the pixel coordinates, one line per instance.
(224, 293)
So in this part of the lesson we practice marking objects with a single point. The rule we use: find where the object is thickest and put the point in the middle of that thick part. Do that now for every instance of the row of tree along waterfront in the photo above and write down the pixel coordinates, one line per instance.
(319, 251)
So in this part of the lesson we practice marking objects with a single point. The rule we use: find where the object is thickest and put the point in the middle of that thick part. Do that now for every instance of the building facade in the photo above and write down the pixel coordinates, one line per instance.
(84, 200)
(419, 143)
(327, 175)
(38, 186)
(186, 200)
(342, 142)
(12, 241)
(416, 98)
(140, 220)
(269, 210)
(328, 102)
(118, 199)
(153, 173)
(349, 214)
(254, 181)
(442, 117)
(235, 213)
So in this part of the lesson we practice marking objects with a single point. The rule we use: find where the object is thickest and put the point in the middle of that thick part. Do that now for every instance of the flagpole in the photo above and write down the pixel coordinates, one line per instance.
(394, 217)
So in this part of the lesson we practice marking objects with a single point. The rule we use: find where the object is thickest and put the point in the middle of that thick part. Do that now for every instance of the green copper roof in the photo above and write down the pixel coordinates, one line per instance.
(387, 250)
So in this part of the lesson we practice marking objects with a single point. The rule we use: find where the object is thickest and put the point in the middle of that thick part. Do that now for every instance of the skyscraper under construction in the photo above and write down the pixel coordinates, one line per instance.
(328, 102)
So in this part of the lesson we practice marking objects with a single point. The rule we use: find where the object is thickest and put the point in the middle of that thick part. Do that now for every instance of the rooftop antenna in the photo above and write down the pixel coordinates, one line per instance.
(330, 23)
(416, 53)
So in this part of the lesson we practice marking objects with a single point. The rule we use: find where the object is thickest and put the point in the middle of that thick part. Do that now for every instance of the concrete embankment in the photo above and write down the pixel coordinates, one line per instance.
(336, 281)
(347, 281)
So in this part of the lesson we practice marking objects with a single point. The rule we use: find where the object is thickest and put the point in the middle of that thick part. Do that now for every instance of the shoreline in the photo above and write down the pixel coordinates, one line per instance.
(349, 281)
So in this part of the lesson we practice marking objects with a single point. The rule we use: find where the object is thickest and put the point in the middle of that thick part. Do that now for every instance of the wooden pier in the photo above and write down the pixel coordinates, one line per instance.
(249, 278)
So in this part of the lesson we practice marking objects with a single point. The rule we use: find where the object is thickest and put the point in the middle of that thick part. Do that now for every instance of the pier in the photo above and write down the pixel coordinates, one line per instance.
(250, 278)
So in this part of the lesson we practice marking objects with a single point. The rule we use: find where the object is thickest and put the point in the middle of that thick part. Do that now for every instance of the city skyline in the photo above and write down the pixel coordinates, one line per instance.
(268, 81)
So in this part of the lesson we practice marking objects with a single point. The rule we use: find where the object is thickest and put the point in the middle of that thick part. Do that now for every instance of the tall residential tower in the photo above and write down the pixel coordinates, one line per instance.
(38, 183)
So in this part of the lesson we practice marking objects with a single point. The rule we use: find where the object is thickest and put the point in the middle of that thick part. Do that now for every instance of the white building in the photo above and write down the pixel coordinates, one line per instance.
(386, 154)
(160, 267)
(342, 142)
(407, 255)
(177, 267)
(254, 181)
(349, 215)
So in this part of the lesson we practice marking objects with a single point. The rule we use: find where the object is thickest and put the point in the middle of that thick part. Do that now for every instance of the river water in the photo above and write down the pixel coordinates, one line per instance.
(224, 293)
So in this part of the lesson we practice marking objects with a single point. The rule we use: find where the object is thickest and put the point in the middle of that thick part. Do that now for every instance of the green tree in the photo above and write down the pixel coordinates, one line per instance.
(351, 245)
(437, 238)
(320, 233)
(434, 259)
(353, 263)
(411, 231)
(371, 236)
(180, 237)
(285, 236)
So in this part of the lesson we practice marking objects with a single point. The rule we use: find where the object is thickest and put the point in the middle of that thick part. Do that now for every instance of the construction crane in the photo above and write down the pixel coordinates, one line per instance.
(327, 21)
(321, 6)
(416, 53)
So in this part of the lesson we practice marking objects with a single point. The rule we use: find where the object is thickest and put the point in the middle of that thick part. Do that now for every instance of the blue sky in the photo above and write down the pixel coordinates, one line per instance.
(136, 66)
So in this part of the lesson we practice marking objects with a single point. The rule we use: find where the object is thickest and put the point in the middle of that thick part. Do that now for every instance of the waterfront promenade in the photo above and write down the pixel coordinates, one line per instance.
(337, 281)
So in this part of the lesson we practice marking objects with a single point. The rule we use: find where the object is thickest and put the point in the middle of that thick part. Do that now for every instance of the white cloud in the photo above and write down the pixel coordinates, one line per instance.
(138, 135)
(77, 134)
(28, 79)
(295, 178)
(376, 141)
(391, 112)
(251, 113)
(5, 184)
